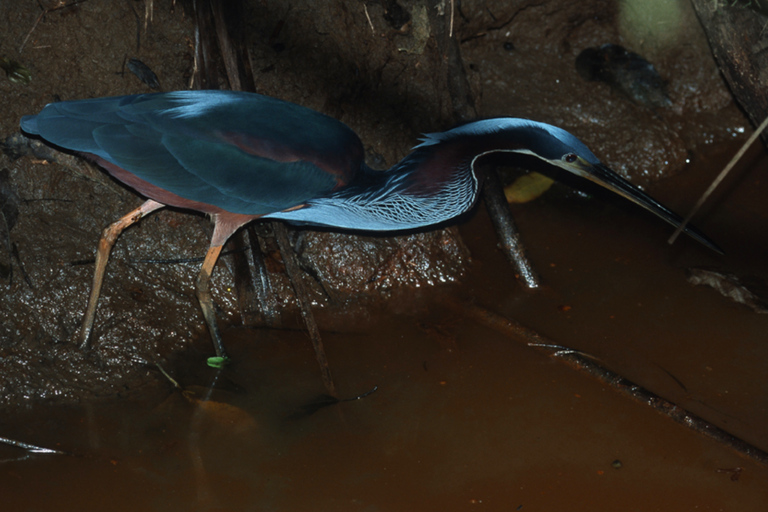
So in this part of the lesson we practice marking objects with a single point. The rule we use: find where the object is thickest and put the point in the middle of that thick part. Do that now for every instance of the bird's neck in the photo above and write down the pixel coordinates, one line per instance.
(429, 186)
(444, 160)
(433, 184)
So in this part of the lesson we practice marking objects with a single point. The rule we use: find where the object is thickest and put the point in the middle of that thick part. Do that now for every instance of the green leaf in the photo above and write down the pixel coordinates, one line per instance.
(218, 361)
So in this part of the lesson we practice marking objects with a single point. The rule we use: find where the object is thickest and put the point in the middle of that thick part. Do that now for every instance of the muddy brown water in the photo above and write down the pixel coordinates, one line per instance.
(463, 418)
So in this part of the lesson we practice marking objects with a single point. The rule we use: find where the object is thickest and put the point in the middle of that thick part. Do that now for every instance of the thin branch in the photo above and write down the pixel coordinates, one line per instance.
(31, 448)
(42, 15)
(719, 179)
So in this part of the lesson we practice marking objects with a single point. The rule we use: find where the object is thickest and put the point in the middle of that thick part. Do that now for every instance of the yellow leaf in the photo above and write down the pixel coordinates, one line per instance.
(527, 188)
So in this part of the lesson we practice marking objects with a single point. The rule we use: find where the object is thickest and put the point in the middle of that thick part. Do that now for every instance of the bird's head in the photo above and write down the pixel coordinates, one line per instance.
(558, 148)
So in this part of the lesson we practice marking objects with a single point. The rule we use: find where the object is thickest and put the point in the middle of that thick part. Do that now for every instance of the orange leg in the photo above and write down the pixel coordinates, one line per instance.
(203, 291)
(108, 239)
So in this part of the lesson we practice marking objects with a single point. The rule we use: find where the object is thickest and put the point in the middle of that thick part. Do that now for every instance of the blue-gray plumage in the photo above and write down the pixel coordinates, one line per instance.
(240, 156)
(244, 153)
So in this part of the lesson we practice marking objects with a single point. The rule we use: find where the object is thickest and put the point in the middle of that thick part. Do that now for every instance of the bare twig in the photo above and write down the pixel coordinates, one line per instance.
(31, 448)
(506, 230)
(173, 381)
(42, 15)
(718, 180)
(148, 13)
(368, 17)
(302, 297)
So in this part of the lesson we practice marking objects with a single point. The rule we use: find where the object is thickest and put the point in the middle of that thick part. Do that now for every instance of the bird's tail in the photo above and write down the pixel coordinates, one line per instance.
(29, 125)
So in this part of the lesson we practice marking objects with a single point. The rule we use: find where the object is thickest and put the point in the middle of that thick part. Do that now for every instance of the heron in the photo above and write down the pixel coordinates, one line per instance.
(238, 156)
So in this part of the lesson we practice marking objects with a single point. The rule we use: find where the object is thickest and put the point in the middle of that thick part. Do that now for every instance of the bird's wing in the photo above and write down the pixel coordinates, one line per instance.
(242, 152)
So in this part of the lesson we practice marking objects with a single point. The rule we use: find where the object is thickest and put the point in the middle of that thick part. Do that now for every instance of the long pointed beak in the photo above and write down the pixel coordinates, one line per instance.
(606, 178)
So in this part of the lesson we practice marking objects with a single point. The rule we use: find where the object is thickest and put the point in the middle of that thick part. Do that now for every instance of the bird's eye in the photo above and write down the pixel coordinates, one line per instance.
(570, 158)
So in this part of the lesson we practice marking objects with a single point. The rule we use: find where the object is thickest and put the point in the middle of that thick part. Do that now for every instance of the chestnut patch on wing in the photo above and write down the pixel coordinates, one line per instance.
(341, 165)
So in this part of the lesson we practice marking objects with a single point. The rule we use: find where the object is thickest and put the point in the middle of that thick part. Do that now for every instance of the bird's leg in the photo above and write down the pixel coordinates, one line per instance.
(203, 291)
(224, 226)
(108, 238)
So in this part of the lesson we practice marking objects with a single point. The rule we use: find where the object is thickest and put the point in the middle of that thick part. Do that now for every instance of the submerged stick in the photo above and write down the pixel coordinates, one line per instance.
(591, 365)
